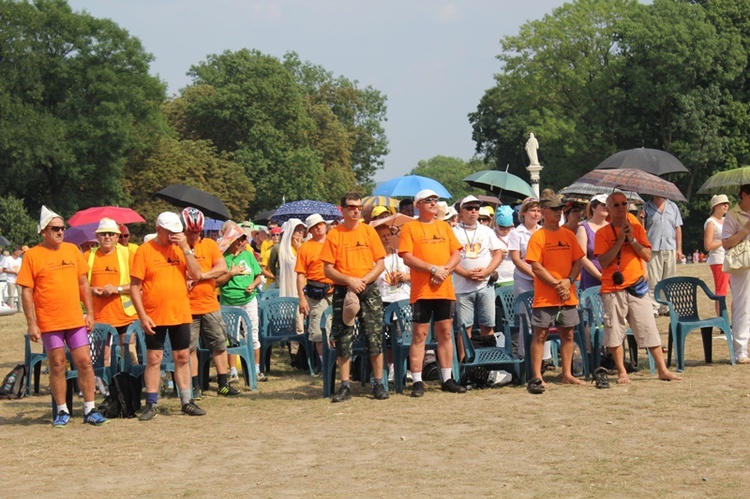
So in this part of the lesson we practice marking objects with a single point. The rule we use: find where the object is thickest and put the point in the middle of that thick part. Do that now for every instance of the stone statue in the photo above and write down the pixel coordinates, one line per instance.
(531, 147)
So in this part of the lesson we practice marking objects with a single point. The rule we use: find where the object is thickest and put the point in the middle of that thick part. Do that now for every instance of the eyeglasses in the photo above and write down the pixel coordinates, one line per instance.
(471, 208)
(275, 235)
(56, 228)
(107, 234)
(354, 207)
(430, 201)
(124, 236)
(619, 205)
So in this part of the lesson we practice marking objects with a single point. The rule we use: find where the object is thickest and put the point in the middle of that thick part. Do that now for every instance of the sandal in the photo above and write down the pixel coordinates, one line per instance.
(536, 387)
(600, 378)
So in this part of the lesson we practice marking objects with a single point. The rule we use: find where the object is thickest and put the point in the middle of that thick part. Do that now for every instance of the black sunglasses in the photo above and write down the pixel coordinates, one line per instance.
(56, 228)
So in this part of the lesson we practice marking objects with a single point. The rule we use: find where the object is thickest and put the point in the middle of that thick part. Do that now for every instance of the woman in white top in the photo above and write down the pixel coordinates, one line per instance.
(737, 228)
(712, 242)
(518, 240)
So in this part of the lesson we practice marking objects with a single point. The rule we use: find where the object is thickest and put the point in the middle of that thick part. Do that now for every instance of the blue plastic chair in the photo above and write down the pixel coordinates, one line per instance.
(278, 324)
(99, 337)
(488, 357)
(237, 320)
(680, 294)
(397, 322)
(328, 371)
(33, 362)
(511, 322)
(268, 294)
(167, 362)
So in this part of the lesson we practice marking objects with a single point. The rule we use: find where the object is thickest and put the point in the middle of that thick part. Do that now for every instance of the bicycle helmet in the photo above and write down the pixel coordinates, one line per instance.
(192, 219)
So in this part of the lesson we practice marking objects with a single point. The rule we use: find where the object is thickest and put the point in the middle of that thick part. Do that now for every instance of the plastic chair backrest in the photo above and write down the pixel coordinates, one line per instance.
(469, 351)
(98, 340)
(591, 300)
(398, 319)
(278, 316)
(269, 294)
(236, 321)
(507, 299)
(522, 305)
(682, 293)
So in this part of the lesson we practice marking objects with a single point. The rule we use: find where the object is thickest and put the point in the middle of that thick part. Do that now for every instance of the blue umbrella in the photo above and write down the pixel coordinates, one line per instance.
(410, 185)
(81, 234)
(305, 208)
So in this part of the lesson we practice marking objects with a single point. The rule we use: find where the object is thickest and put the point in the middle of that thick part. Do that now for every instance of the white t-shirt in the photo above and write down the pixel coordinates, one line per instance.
(518, 240)
(388, 292)
(14, 264)
(715, 256)
(476, 253)
(506, 268)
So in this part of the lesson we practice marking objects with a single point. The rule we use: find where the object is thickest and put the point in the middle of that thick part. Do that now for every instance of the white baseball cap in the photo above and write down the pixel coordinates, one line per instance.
(169, 221)
(469, 199)
(424, 194)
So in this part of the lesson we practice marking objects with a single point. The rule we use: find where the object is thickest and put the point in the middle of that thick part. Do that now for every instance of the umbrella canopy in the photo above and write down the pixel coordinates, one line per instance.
(380, 201)
(396, 220)
(96, 213)
(638, 181)
(500, 182)
(726, 182)
(652, 161)
(263, 216)
(410, 185)
(583, 192)
(184, 196)
(492, 200)
(4, 241)
(305, 208)
(212, 224)
(81, 233)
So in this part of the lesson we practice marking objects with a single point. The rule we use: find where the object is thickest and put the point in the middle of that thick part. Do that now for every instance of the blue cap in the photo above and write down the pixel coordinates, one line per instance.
(504, 216)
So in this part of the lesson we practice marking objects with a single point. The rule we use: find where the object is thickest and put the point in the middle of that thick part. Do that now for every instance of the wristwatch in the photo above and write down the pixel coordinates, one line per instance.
(433, 270)
(190, 252)
(119, 289)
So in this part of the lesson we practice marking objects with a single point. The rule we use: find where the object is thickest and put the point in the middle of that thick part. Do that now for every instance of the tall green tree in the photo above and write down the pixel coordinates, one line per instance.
(16, 224)
(76, 99)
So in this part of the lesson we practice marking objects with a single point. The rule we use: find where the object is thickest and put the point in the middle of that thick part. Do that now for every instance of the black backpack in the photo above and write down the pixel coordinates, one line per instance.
(124, 398)
(14, 384)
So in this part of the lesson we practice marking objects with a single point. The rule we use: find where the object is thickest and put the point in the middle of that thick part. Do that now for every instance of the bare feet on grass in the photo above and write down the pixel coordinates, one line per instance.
(571, 380)
(669, 376)
(623, 379)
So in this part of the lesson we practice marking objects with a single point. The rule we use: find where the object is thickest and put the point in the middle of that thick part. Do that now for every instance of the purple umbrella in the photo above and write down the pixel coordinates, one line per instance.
(81, 234)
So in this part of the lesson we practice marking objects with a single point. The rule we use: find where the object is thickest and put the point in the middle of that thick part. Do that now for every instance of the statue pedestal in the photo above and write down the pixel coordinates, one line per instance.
(534, 174)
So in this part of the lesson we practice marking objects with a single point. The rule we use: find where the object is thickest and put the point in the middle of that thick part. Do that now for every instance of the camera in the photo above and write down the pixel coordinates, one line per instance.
(617, 278)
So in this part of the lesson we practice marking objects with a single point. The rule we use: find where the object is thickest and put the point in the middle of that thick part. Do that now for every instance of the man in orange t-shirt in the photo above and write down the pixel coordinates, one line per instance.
(313, 287)
(430, 249)
(353, 259)
(207, 324)
(623, 247)
(158, 287)
(555, 258)
(53, 281)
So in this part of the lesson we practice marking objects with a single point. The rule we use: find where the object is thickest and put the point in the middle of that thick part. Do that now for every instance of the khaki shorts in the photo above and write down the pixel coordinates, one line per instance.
(623, 310)
(212, 329)
(317, 308)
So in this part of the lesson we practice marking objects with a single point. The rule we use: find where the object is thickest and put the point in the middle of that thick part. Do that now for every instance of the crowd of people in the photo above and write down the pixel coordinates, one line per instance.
(445, 260)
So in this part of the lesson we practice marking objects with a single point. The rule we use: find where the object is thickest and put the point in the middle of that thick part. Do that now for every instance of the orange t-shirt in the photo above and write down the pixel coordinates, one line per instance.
(631, 265)
(106, 270)
(556, 250)
(353, 252)
(432, 243)
(53, 275)
(203, 295)
(309, 262)
(162, 271)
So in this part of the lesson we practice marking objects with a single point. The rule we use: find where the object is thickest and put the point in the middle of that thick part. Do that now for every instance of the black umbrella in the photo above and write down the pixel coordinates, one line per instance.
(184, 196)
(263, 216)
(652, 161)
(4, 241)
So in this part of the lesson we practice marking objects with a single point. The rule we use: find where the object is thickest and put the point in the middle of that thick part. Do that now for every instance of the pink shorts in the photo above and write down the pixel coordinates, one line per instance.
(74, 337)
(721, 279)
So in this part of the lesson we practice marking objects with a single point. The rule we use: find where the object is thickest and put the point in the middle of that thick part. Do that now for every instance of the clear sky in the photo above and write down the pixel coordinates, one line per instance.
(433, 59)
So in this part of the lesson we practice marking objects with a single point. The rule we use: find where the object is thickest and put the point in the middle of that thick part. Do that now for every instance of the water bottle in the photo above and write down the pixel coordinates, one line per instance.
(577, 362)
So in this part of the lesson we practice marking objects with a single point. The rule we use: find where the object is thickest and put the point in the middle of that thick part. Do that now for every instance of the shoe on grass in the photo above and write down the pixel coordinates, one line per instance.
(262, 376)
(417, 389)
(342, 394)
(95, 418)
(61, 420)
(380, 392)
(234, 379)
(192, 410)
(149, 413)
(450, 385)
(228, 391)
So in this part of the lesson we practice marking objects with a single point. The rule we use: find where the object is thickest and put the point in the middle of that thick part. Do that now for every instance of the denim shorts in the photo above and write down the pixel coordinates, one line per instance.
(477, 304)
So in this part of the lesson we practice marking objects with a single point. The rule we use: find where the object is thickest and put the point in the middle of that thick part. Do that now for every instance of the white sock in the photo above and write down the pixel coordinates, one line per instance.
(446, 374)
(257, 368)
(88, 407)
(63, 408)
(233, 371)
(416, 377)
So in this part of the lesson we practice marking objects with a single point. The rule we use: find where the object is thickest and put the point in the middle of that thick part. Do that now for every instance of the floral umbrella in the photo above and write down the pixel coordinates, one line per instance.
(629, 179)
(305, 208)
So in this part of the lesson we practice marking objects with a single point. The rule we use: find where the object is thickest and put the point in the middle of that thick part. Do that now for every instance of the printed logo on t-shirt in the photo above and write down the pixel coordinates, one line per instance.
(560, 246)
(64, 263)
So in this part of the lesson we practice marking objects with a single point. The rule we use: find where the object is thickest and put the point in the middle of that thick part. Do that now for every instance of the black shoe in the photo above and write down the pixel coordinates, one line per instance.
(536, 386)
(149, 413)
(228, 391)
(379, 392)
(342, 394)
(192, 410)
(417, 389)
(450, 385)
(600, 378)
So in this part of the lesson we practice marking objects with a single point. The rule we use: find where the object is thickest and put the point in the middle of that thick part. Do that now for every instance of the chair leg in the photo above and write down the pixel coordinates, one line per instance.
(707, 344)
(669, 350)
(633, 350)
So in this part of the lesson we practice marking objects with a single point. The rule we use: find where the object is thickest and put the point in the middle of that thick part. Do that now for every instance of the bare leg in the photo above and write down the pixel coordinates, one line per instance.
(344, 364)
(664, 373)
(220, 361)
(537, 352)
(152, 376)
(86, 382)
(57, 383)
(377, 365)
(182, 368)
(566, 352)
(194, 363)
(618, 354)
(443, 331)
(416, 350)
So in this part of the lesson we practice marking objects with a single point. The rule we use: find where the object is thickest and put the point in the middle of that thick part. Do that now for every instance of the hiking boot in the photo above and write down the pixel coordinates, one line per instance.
(95, 418)
(417, 389)
(61, 419)
(228, 391)
(149, 413)
(451, 386)
(192, 410)
(379, 392)
(342, 394)
(262, 376)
